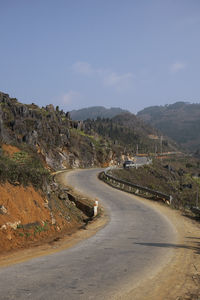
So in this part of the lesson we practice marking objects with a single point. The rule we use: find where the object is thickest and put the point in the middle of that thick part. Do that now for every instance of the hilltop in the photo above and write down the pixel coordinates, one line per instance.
(95, 112)
(180, 121)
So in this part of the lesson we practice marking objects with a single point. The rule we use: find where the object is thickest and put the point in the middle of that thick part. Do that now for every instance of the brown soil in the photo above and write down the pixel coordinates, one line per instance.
(26, 228)
(25, 218)
(52, 245)
(10, 150)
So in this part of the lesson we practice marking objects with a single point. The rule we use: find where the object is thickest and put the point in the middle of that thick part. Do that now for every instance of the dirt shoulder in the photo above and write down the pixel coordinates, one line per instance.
(180, 278)
(57, 244)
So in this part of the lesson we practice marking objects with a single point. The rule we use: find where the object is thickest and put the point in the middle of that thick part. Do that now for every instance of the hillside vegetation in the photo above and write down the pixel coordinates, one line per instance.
(177, 176)
(129, 134)
(22, 167)
(180, 121)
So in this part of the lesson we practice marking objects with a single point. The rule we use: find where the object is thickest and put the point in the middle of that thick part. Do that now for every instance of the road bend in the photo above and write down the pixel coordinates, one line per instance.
(107, 265)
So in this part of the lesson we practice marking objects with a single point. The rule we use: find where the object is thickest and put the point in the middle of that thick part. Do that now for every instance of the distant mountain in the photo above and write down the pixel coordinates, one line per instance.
(180, 121)
(96, 111)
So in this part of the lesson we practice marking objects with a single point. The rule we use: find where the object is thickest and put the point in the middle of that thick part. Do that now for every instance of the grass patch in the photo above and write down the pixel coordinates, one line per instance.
(40, 228)
(23, 168)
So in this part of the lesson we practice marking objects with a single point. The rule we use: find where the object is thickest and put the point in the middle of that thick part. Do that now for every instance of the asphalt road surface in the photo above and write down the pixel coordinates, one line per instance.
(128, 249)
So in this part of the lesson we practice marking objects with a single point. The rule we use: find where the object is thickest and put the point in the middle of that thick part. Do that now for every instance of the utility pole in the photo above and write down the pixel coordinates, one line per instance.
(161, 140)
(125, 152)
(197, 198)
(155, 149)
(137, 149)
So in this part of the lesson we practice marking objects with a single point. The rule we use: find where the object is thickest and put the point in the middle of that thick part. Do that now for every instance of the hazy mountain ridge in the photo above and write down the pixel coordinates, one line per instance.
(96, 111)
(180, 121)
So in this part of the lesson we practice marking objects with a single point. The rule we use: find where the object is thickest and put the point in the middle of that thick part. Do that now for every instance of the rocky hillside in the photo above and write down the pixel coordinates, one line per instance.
(49, 132)
(180, 121)
(33, 142)
(95, 112)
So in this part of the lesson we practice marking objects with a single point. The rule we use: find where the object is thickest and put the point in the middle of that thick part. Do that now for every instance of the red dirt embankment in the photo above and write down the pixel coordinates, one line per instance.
(25, 218)
(29, 217)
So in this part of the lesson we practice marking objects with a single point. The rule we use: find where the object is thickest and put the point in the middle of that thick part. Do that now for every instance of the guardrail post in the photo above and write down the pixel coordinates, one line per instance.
(96, 208)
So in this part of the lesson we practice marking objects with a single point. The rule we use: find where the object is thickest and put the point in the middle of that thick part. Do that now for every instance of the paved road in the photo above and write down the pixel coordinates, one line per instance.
(112, 261)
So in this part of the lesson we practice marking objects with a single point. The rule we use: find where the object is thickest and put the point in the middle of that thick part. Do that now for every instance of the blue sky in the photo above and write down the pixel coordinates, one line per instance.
(79, 53)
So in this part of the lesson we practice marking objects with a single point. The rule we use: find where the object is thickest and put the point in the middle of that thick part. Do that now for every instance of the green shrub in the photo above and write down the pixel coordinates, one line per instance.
(23, 168)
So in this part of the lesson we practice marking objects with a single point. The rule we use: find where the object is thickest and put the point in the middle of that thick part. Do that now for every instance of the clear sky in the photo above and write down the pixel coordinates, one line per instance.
(79, 53)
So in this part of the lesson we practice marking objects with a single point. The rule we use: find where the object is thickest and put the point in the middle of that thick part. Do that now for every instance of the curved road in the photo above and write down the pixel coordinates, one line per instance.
(104, 266)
